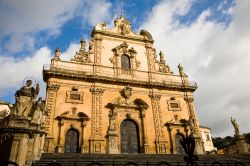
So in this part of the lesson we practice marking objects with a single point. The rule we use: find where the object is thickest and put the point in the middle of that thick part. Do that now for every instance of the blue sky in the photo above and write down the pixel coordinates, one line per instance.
(209, 37)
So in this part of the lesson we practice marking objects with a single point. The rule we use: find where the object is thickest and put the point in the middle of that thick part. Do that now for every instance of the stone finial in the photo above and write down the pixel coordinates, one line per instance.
(123, 25)
(83, 45)
(57, 53)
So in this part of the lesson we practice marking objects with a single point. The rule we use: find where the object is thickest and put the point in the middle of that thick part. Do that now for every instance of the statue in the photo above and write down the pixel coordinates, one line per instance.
(38, 116)
(161, 57)
(57, 53)
(236, 126)
(181, 71)
(24, 99)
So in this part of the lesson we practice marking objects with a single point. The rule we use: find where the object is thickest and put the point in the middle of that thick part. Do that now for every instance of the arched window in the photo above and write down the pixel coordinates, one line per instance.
(125, 62)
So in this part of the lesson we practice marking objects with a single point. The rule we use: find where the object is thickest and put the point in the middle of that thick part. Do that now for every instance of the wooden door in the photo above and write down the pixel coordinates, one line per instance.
(71, 141)
(129, 137)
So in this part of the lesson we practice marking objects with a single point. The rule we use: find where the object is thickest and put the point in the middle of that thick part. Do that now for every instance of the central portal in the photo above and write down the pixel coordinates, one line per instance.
(129, 137)
(71, 141)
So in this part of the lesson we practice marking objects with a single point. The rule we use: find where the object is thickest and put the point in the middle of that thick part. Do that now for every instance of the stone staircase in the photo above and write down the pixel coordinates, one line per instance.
(78, 159)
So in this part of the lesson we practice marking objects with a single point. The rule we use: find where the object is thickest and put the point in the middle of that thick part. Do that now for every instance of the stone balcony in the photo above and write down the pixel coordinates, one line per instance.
(111, 75)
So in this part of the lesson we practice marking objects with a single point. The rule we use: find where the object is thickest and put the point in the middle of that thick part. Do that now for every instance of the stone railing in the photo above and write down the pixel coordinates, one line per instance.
(71, 68)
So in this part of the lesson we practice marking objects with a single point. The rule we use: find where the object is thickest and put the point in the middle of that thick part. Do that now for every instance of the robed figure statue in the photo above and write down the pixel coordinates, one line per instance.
(24, 99)
(236, 126)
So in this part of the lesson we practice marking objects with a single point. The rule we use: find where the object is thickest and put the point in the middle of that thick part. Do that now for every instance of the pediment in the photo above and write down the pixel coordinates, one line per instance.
(123, 27)
(123, 102)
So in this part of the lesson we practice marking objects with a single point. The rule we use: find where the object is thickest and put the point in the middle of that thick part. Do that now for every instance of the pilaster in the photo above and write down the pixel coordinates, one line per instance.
(96, 139)
(160, 140)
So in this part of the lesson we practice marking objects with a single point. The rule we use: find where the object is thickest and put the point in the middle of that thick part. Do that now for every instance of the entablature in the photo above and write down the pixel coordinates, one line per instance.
(103, 74)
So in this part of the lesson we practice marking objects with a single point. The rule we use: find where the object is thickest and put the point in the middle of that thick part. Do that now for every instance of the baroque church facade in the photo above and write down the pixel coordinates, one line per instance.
(118, 96)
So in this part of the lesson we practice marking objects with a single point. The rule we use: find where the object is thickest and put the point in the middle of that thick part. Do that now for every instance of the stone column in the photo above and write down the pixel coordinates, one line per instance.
(59, 147)
(170, 137)
(144, 132)
(160, 140)
(83, 125)
(19, 148)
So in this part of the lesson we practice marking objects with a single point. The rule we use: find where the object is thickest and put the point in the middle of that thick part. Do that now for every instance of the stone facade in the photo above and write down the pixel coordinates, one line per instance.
(117, 97)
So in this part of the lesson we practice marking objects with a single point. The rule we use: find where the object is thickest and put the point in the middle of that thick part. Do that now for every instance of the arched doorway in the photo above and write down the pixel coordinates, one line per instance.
(71, 141)
(130, 137)
(178, 148)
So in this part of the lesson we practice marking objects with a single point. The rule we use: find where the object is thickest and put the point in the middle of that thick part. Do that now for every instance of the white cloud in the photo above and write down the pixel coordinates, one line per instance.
(15, 70)
(20, 20)
(214, 56)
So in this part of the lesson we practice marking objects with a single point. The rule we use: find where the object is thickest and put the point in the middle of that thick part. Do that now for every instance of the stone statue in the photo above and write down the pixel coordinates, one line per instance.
(181, 71)
(161, 57)
(191, 125)
(236, 126)
(38, 116)
(57, 53)
(24, 99)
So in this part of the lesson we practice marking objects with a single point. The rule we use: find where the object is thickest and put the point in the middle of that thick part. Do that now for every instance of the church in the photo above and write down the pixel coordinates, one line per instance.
(118, 96)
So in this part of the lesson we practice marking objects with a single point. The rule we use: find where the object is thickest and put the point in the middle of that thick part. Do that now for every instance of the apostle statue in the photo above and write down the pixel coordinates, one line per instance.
(24, 99)
(38, 115)
(236, 126)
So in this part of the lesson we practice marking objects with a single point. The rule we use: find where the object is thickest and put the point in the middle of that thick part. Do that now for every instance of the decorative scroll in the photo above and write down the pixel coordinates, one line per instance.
(82, 56)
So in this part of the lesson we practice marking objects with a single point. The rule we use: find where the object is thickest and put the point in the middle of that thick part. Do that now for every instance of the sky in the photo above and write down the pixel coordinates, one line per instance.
(210, 38)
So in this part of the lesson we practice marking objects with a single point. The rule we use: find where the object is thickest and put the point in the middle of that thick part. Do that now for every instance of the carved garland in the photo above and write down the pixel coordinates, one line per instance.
(123, 49)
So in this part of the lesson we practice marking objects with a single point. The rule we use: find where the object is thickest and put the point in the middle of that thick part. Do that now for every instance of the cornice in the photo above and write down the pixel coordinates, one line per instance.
(82, 76)
(120, 36)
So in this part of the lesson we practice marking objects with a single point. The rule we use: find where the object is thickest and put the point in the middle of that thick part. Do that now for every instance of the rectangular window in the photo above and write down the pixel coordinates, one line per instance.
(174, 105)
(75, 97)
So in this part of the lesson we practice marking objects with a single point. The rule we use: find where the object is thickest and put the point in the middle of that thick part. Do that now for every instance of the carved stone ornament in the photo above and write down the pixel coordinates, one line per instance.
(127, 92)
(163, 67)
(124, 49)
(123, 25)
(82, 56)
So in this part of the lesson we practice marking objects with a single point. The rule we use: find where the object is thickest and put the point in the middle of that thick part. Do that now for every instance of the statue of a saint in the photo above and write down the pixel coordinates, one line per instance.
(181, 71)
(24, 99)
(38, 116)
(236, 126)
(161, 57)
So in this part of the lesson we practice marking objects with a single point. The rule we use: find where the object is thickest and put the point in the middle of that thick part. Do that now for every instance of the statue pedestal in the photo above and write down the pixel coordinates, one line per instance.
(198, 144)
(241, 144)
(26, 139)
(112, 142)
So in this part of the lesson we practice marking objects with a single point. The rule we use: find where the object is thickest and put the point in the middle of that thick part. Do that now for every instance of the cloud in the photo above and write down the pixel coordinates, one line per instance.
(15, 70)
(23, 21)
(215, 56)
